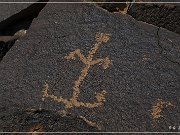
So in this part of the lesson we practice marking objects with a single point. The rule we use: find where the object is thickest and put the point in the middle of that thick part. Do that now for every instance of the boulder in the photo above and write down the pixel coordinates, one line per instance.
(165, 15)
(16, 17)
(13, 13)
(109, 68)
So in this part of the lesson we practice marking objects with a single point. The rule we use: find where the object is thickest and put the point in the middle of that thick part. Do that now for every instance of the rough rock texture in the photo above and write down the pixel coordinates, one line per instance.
(15, 17)
(162, 15)
(43, 121)
(10, 9)
(114, 7)
(134, 83)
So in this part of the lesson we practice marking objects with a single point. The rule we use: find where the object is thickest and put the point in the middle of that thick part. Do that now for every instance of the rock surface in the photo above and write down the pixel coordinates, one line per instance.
(9, 9)
(15, 17)
(165, 15)
(132, 84)
(43, 121)
(114, 6)
(12, 13)
(162, 15)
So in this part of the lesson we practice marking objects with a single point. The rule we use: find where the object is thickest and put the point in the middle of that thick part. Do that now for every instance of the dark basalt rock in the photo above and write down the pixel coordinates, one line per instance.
(43, 121)
(161, 15)
(114, 6)
(15, 17)
(141, 80)
(9, 9)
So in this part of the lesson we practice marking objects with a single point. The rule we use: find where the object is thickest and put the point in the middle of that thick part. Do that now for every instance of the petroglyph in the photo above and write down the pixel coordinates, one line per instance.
(93, 124)
(88, 63)
(157, 108)
(36, 130)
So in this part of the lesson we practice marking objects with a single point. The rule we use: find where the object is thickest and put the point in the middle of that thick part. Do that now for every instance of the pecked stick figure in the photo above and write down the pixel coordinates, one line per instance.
(88, 63)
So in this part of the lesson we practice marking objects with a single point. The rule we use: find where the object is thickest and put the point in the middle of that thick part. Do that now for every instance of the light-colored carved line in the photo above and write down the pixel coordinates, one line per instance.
(104, 62)
(78, 53)
(157, 108)
(76, 89)
(91, 123)
(100, 96)
(55, 98)
(100, 37)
